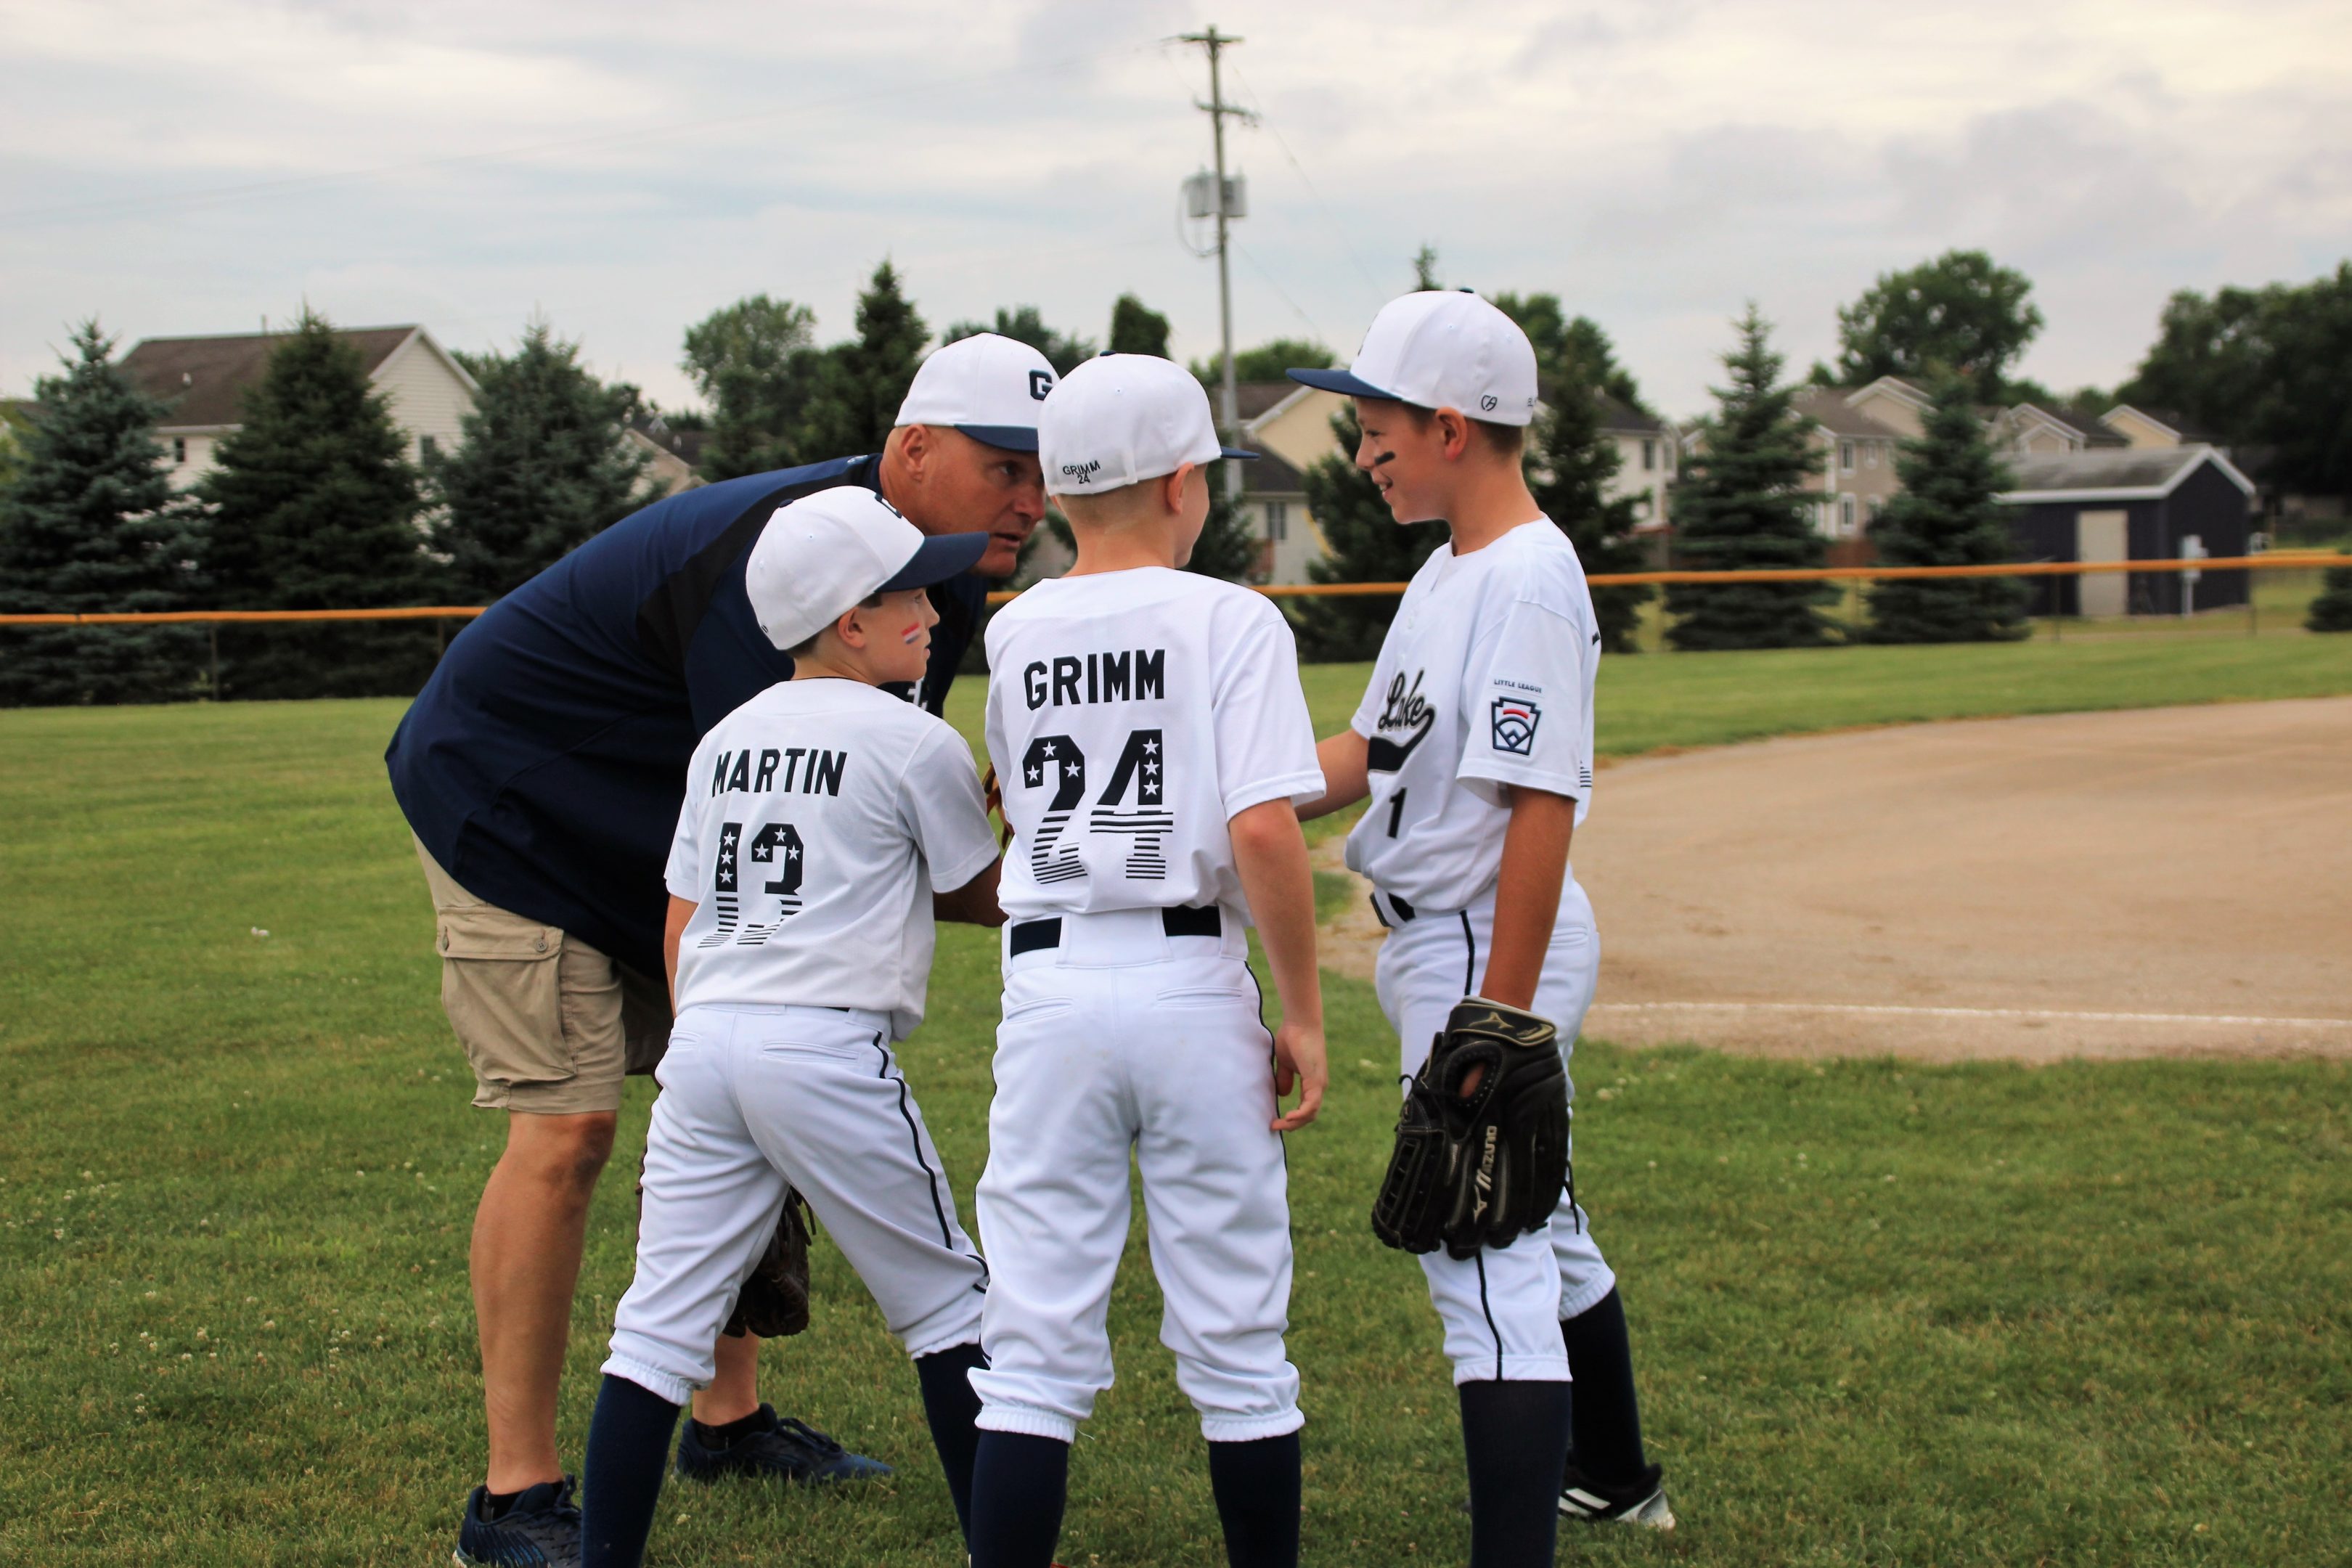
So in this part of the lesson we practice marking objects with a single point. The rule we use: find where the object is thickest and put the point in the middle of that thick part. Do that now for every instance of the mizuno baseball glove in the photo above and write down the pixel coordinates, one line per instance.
(775, 1301)
(1478, 1167)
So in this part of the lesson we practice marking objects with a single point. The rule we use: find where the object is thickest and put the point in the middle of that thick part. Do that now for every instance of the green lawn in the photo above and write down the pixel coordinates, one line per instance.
(1885, 1314)
(1649, 701)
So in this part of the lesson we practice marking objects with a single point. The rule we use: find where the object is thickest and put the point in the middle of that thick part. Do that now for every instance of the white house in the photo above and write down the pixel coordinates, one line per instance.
(202, 382)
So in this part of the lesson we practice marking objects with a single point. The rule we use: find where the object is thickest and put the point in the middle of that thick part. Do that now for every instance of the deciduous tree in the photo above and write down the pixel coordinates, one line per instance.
(757, 364)
(1961, 312)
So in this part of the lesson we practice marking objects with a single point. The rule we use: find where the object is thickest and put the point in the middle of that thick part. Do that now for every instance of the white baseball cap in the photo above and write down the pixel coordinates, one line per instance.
(986, 385)
(1441, 349)
(1120, 419)
(820, 556)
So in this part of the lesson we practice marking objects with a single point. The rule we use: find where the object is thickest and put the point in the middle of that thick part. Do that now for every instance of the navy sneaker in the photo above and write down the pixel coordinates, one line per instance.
(783, 1448)
(541, 1529)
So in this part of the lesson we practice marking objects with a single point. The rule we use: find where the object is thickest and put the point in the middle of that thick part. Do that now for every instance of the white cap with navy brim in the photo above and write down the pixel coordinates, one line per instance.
(986, 385)
(1120, 419)
(1441, 349)
(820, 556)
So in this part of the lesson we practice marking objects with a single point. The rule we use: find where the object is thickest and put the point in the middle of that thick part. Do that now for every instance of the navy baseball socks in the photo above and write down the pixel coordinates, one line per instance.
(1607, 1478)
(951, 1407)
(1020, 1485)
(1515, 1439)
(1256, 1487)
(629, 1444)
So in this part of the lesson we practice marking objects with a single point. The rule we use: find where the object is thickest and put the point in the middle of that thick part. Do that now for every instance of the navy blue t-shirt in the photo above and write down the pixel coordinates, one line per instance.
(544, 763)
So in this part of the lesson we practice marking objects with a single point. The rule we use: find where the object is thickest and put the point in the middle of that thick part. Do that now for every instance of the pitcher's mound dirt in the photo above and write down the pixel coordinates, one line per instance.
(2167, 881)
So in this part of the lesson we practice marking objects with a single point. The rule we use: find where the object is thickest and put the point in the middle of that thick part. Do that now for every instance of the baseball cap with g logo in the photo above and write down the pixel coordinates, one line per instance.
(989, 387)
(1441, 349)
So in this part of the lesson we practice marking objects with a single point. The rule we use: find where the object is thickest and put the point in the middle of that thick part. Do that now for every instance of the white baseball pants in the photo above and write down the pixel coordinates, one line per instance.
(1124, 1038)
(1502, 1309)
(757, 1099)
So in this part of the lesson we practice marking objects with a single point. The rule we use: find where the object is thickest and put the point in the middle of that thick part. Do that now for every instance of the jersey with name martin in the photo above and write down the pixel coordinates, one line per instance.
(819, 818)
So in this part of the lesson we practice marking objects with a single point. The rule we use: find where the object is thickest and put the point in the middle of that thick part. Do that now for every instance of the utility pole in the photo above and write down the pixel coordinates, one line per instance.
(1229, 400)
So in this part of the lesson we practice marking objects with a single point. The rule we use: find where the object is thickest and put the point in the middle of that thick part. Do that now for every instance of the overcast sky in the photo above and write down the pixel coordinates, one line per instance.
(191, 166)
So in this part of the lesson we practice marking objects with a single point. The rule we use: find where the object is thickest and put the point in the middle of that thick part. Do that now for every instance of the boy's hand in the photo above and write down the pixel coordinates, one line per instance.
(1298, 1062)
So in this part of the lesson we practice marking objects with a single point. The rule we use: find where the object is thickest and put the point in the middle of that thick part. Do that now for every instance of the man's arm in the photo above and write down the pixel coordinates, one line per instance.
(673, 928)
(974, 903)
(1526, 893)
(1270, 853)
(1345, 777)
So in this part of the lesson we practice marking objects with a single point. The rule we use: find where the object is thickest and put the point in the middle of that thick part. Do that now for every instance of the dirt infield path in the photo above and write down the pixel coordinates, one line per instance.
(2167, 881)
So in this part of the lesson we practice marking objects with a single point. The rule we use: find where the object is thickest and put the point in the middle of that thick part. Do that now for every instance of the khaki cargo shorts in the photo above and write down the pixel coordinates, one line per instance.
(551, 1025)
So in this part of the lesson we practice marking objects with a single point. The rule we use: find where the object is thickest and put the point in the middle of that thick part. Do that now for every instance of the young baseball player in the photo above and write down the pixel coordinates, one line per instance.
(1150, 737)
(1474, 743)
(825, 822)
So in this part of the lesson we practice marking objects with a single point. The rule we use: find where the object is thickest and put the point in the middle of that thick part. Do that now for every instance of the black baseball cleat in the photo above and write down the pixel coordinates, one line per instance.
(1641, 1500)
(780, 1450)
(541, 1529)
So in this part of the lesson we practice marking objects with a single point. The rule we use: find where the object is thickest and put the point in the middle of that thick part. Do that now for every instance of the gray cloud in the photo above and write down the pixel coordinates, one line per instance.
(187, 166)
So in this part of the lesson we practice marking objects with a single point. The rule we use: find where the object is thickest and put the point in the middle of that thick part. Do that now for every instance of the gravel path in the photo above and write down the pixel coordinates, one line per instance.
(2158, 882)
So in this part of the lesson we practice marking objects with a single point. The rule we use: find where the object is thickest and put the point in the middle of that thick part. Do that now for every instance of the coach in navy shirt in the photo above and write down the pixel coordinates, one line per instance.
(542, 769)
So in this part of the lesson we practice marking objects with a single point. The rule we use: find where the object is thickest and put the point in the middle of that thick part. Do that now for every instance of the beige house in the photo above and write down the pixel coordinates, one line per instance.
(1647, 448)
(1855, 435)
(202, 382)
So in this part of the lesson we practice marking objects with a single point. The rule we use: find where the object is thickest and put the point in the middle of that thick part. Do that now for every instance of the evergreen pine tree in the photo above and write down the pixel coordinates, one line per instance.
(865, 380)
(543, 467)
(88, 522)
(1137, 328)
(314, 507)
(2332, 610)
(1366, 545)
(1226, 547)
(1572, 462)
(1945, 515)
(1738, 507)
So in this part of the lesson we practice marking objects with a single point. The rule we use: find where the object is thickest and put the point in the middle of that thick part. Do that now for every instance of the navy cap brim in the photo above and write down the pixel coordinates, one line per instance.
(1009, 437)
(1344, 383)
(937, 559)
(1239, 454)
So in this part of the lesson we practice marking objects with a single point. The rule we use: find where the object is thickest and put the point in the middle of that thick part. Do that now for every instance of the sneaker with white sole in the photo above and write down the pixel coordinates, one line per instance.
(1641, 1500)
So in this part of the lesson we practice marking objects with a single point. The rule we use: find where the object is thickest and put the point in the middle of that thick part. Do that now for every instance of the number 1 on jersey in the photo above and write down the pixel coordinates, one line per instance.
(1396, 812)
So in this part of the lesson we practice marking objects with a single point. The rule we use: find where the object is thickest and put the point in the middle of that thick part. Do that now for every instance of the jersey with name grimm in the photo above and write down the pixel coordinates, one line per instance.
(1485, 680)
(1131, 715)
(819, 818)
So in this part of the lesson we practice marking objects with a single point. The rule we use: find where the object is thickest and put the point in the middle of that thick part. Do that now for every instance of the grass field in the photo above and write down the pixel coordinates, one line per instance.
(1885, 1314)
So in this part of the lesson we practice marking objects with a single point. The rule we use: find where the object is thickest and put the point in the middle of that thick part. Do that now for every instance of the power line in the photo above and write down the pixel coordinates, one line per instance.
(1265, 122)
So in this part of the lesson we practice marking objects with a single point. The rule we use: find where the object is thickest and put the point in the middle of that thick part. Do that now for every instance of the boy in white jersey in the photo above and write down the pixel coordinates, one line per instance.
(825, 822)
(1474, 743)
(1150, 737)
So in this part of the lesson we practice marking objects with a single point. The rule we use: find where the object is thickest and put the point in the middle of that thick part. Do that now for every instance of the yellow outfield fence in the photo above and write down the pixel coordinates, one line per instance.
(2276, 560)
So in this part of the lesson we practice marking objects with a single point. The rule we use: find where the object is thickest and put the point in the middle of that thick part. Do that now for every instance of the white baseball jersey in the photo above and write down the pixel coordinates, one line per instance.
(1485, 680)
(819, 817)
(1131, 715)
